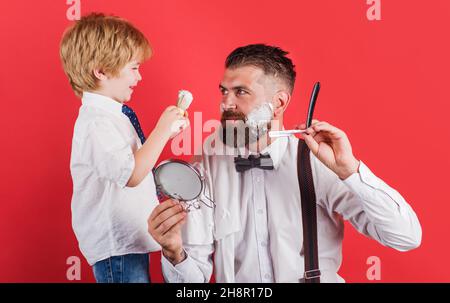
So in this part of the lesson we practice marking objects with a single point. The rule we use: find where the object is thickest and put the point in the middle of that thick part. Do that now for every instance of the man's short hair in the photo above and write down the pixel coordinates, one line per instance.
(271, 59)
(100, 42)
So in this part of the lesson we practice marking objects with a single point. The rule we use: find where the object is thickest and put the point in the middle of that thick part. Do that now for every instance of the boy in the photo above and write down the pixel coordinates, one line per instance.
(111, 160)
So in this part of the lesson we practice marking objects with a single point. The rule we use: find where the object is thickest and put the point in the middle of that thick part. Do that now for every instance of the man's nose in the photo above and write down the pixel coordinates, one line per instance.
(228, 103)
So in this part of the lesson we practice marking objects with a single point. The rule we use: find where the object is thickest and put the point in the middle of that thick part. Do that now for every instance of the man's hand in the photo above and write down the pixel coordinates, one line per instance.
(164, 224)
(332, 147)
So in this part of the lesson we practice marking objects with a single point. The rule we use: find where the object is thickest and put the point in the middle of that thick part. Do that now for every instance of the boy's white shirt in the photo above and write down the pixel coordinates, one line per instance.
(255, 230)
(108, 218)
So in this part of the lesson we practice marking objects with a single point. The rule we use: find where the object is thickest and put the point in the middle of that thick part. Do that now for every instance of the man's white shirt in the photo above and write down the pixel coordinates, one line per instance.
(108, 218)
(255, 230)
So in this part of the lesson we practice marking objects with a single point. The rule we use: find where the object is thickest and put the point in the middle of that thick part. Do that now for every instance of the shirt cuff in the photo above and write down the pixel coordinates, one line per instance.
(175, 273)
(366, 184)
(364, 175)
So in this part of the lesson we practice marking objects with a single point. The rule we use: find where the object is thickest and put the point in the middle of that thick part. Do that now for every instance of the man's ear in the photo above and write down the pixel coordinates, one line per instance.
(100, 75)
(282, 99)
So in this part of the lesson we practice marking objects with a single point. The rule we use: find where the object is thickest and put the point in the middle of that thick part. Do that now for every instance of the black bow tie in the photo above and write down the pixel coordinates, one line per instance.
(261, 161)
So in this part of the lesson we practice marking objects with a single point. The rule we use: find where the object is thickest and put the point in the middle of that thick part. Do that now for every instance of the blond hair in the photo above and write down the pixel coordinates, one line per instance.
(101, 42)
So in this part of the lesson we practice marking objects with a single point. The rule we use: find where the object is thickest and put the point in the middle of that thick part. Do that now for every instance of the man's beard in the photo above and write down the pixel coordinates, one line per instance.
(239, 131)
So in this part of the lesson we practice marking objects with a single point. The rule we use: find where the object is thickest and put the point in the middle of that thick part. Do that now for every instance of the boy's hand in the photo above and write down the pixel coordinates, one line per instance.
(172, 122)
(164, 224)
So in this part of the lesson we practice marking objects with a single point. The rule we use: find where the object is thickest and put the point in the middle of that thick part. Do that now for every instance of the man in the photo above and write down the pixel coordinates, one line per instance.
(255, 230)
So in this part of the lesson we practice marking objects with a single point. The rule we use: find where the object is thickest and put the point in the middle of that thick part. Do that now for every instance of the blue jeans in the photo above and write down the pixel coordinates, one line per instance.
(131, 268)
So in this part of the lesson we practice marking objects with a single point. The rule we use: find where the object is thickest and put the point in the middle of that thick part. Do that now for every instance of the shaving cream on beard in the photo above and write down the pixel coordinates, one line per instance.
(257, 122)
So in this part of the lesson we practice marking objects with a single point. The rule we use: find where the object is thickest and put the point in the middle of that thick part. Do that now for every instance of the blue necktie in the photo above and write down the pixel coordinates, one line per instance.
(134, 121)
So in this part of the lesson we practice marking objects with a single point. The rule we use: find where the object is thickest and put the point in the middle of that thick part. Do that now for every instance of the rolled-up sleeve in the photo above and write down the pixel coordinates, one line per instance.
(108, 153)
(372, 207)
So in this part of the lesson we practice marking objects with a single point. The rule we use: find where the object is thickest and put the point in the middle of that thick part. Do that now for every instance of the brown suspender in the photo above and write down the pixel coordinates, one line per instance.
(309, 214)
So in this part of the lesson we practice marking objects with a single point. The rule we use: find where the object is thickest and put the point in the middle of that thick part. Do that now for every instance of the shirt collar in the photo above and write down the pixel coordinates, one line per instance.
(276, 150)
(102, 102)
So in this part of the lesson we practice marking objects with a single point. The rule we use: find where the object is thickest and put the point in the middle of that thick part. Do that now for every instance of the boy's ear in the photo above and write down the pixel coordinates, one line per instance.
(282, 99)
(99, 74)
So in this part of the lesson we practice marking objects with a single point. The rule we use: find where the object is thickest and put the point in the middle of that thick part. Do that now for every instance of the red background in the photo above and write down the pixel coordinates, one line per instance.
(383, 82)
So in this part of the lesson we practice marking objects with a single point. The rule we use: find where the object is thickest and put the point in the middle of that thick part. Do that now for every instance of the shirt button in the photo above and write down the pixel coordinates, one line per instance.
(267, 276)
(263, 244)
(260, 211)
